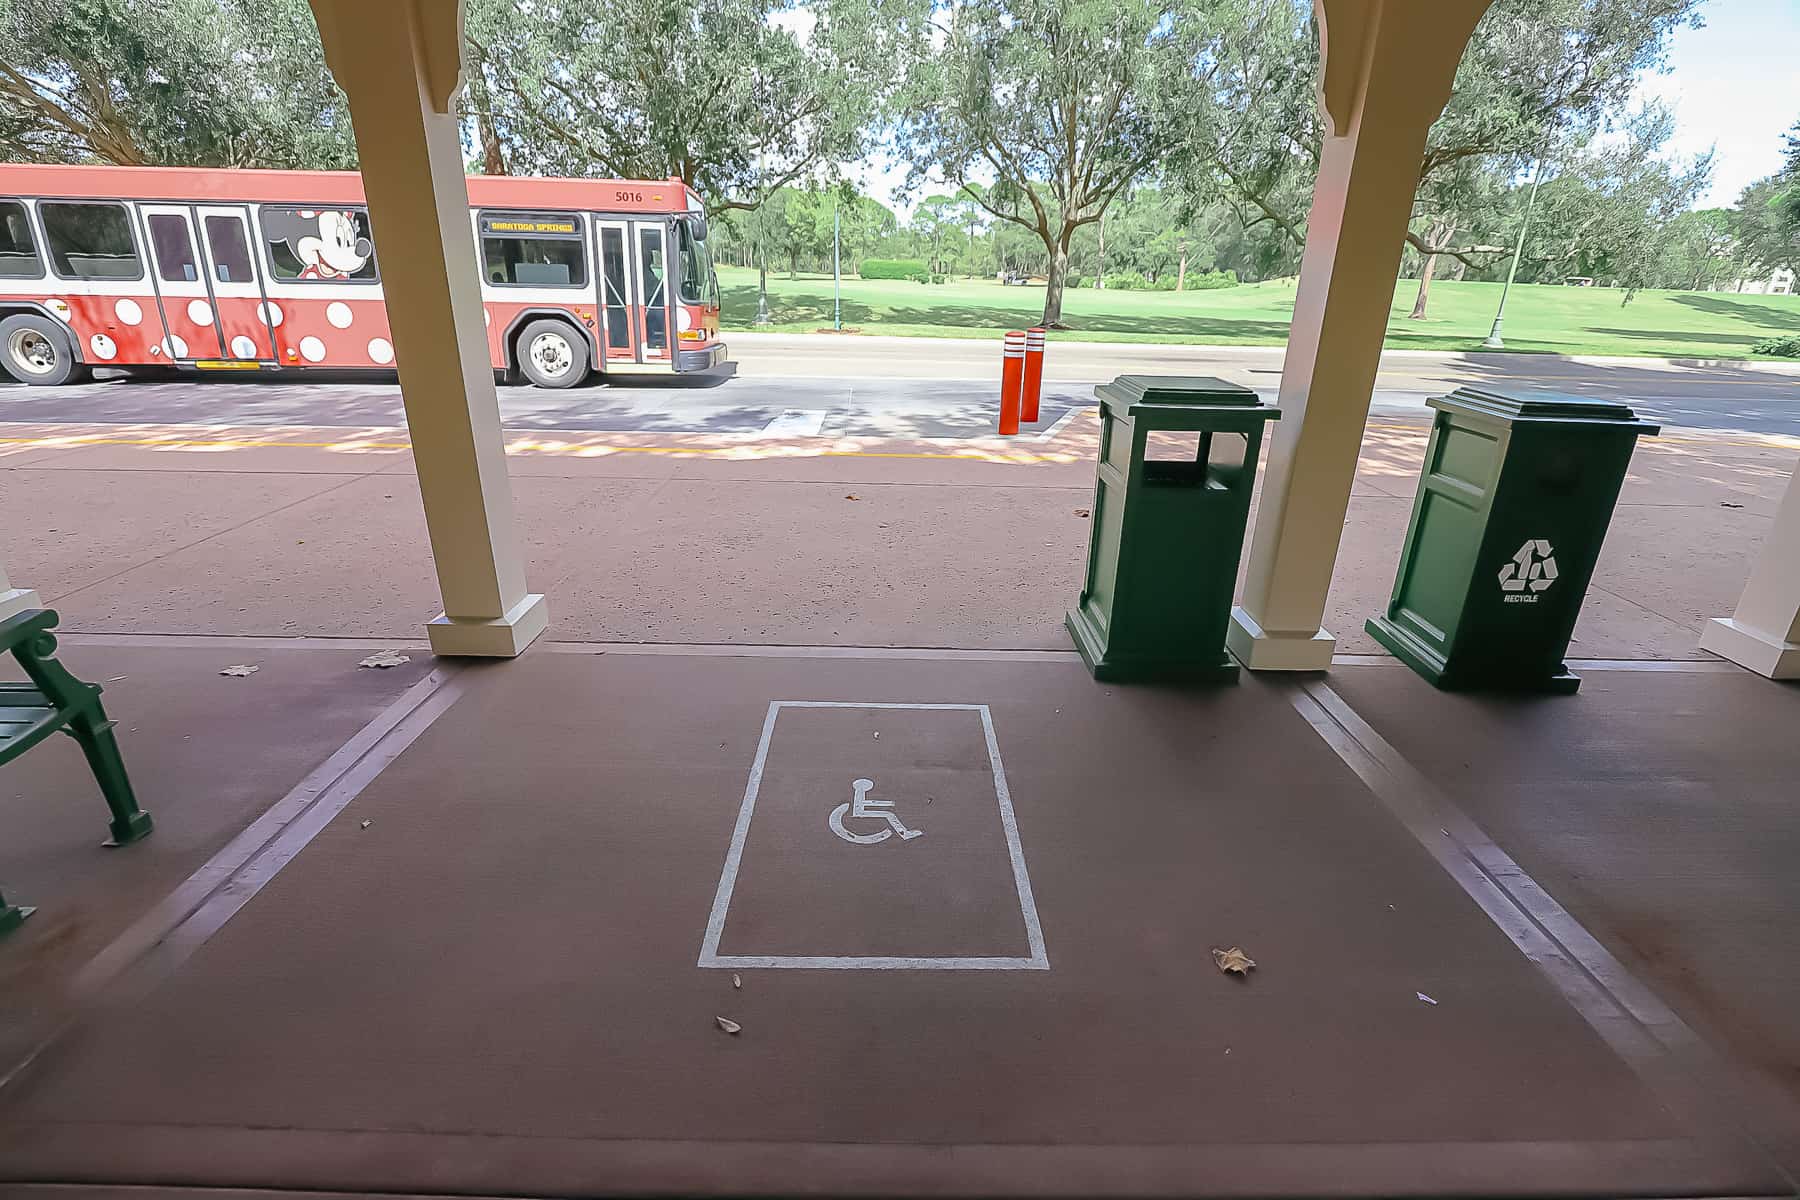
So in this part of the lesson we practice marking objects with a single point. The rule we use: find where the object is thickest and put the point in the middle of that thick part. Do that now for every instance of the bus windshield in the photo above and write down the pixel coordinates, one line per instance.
(696, 266)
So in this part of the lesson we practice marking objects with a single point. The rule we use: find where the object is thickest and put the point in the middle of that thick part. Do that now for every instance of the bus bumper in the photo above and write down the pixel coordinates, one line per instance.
(703, 359)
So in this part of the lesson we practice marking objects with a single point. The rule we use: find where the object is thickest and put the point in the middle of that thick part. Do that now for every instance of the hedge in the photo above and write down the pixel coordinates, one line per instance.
(894, 268)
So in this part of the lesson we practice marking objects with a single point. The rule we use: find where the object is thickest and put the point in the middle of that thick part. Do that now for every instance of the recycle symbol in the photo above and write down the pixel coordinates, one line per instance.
(1532, 567)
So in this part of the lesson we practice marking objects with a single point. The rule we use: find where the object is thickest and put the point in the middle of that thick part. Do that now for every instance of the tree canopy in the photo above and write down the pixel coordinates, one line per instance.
(738, 98)
(229, 83)
(1061, 104)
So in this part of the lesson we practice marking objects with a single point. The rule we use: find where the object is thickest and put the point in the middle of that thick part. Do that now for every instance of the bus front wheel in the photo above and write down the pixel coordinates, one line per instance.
(36, 350)
(552, 354)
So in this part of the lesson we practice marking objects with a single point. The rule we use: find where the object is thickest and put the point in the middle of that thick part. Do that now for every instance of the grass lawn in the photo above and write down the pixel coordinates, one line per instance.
(1541, 318)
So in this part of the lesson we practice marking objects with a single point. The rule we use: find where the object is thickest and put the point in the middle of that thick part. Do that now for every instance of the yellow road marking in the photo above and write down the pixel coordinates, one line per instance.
(579, 449)
(746, 451)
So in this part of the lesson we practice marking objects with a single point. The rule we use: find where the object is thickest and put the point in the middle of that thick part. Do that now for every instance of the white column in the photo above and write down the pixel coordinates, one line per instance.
(1764, 633)
(15, 600)
(1386, 75)
(400, 63)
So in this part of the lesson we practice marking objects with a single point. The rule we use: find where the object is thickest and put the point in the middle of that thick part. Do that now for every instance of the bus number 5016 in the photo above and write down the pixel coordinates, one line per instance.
(629, 196)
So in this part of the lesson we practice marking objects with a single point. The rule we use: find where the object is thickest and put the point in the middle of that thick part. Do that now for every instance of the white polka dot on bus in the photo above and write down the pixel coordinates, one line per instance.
(381, 351)
(312, 349)
(199, 312)
(102, 346)
(338, 314)
(243, 347)
(270, 312)
(129, 312)
(174, 346)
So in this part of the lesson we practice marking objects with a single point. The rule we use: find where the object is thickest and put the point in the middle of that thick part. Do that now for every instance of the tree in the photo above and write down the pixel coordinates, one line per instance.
(1787, 201)
(1767, 239)
(1064, 103)
(1536, 71)
(936, 221)
(738, 98)
(1700, 251)
(1608, 212)
(224, 83)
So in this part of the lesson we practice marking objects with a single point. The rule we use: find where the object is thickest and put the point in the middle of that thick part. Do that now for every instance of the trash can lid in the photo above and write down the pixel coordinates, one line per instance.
(1537, 406)
(1170, 391)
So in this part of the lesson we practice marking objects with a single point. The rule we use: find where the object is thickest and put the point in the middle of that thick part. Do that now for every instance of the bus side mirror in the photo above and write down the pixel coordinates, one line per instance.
(697, 223)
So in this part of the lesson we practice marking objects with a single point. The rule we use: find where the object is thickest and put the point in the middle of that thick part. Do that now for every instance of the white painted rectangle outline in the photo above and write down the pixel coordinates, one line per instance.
(715, 925)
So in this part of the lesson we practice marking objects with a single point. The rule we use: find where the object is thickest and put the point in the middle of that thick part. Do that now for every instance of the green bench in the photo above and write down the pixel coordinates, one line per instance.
(54, 701)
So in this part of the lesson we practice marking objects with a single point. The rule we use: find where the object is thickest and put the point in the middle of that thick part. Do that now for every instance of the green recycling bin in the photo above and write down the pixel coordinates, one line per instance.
(1177, 460)
(1513, 504)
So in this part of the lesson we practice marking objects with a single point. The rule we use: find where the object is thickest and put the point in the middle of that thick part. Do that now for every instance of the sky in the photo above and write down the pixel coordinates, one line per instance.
(1734, 84)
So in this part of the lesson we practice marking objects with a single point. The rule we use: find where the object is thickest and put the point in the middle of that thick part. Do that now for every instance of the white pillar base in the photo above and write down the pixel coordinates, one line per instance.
(504, 637)
(1751, 649)
(17, 600)
(1263, 650)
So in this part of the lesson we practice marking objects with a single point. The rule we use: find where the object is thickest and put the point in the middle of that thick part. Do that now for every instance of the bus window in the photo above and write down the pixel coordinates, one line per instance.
(230, 252)
(655, 294)
(90, 241)
(175, 260)
(613, 280)
(307, 245)
(532, 250)
(18, 249)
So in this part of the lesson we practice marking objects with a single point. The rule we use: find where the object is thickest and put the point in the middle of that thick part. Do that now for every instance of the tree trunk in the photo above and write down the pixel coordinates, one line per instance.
(1059, 270)
(1181, 271)
(762, 288)
(493, 158)
(1425, 274)
(1100, 275)
(1435, 241)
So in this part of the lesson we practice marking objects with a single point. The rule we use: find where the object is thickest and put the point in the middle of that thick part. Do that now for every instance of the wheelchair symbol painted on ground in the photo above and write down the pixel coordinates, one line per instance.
(860, 807)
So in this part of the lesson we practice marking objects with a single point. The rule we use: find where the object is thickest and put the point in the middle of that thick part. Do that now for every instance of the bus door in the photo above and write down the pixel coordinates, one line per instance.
(621, 338)
(239, 301)
(655, 296)
(185, 301)
(635, 299)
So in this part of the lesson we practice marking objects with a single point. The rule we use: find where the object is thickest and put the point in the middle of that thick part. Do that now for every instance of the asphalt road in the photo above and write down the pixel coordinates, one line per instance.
(899, 387)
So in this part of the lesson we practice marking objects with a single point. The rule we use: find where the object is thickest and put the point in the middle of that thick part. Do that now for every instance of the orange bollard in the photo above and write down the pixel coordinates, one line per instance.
(1012, 378)
(1034, 374)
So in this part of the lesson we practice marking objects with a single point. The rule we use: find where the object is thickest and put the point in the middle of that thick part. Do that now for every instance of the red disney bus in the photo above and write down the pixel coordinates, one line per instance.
(222, 270)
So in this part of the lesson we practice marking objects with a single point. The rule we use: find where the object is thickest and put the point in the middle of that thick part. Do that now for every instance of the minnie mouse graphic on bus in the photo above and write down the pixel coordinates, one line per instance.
(325, 244)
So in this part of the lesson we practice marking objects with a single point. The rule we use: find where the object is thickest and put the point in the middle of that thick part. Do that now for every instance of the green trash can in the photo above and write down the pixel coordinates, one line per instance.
(1513, 504)
(1167, 527)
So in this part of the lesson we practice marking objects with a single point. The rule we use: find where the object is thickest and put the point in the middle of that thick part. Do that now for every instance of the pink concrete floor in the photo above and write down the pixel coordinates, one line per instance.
(282, 532)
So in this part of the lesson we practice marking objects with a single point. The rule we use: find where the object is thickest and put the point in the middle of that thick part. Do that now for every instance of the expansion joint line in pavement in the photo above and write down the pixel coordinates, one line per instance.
(1679, 1067)
(169, 933)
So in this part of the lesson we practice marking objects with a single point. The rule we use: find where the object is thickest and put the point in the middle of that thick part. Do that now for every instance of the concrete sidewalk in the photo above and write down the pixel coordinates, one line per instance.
(283, 531)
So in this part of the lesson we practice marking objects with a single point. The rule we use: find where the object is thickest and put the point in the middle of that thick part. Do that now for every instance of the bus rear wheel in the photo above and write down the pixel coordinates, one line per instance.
(36, 350)
(552, 354)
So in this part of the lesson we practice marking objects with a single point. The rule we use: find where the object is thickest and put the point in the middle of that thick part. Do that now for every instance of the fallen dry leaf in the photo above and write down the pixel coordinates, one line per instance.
(737, 981)
(383, 659)
(1082, 512)
(1425, 998)
(239, 671)
(852, 496)
(1233, 960)
(729, 1025)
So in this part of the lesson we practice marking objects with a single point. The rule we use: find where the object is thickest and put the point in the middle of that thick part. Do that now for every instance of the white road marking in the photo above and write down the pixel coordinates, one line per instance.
(1060, 423)
(797, 422)
(1038, 960)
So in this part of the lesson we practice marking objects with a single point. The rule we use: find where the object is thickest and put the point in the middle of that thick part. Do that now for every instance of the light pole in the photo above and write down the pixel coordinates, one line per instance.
(1493, 338)
(837, 303)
